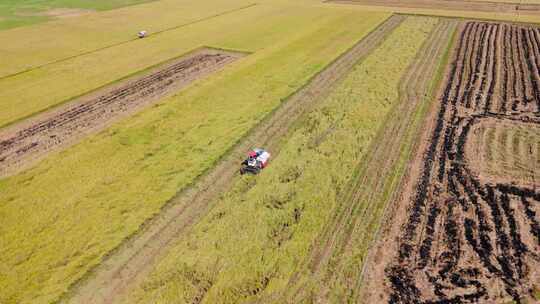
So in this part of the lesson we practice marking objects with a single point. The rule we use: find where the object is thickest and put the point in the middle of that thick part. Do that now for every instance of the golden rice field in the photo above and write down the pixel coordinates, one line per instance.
(343, 160)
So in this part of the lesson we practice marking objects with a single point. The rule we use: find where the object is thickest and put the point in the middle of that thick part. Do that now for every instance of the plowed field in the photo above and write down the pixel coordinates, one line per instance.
(473, 235)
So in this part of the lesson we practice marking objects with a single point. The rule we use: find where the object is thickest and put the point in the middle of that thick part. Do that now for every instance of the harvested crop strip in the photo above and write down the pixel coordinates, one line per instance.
(502, 150)
(26, 143)
(470, 237)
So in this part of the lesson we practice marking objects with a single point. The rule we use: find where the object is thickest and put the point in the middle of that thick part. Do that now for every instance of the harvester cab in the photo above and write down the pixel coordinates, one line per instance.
(256, 160)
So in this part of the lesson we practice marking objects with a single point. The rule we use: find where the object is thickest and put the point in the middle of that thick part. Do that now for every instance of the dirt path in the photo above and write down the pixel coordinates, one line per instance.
(328, 262)
(135, 258)
(455, 236)
(26, 143)
(454, 5)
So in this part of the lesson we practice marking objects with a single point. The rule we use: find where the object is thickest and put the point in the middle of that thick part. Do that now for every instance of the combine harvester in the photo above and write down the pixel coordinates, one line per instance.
(256, 161)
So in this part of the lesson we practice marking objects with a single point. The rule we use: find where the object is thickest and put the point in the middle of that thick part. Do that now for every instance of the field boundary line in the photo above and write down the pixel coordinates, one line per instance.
(478, 6)
(471, 19)
(130, 40)
(126, 265)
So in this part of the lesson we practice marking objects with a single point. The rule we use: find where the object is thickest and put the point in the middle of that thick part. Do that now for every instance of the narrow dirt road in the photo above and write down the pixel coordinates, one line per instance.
(128, 264)
(26, 143)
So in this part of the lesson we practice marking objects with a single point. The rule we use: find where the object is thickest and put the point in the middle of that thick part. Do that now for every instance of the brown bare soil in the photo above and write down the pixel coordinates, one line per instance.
(454, 5)
(456, 237)
(26, 143)
(127, 265)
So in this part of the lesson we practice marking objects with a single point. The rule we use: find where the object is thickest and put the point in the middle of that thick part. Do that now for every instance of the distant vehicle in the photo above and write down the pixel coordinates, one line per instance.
(142, 34)
(256, 161)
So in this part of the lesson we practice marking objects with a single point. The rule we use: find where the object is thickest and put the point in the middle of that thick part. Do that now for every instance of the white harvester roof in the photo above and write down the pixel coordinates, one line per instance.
(263, 157)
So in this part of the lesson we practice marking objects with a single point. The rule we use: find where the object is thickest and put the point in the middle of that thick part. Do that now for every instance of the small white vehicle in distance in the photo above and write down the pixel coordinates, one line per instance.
(142, 34)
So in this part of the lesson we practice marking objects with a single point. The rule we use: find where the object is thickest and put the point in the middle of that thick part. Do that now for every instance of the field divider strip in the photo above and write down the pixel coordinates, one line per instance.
(129, 40)
(440, 13)
(444, 5)
(135, 257)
